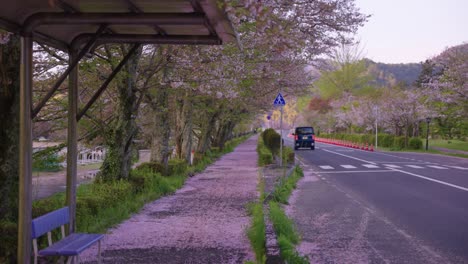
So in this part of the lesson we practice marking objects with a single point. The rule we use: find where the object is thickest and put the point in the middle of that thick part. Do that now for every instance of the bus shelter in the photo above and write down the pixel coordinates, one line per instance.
(78, 27)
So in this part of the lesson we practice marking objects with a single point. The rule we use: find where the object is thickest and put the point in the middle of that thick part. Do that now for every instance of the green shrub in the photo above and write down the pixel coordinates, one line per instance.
(8, 241)
(174, 167)
(265, 156)
(386, 140)
(272, 140)
(155, 167)
(415, 143)
(288, 155)
(399, 143)
(47, 162)
(177, 167)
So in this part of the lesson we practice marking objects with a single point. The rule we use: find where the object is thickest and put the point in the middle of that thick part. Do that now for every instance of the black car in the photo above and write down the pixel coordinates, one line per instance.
(304, 138)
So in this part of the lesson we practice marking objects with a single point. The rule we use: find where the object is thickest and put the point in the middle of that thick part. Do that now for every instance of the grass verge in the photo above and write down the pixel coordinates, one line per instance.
(286, 185)
(286, 233)
(430, 151)
(257, 230)
(449, 144)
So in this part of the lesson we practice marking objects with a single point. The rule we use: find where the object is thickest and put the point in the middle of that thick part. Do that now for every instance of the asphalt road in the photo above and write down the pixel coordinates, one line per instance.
(356, 206)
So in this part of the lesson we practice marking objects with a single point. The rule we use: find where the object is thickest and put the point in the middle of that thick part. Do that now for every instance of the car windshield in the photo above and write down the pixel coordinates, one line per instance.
(304, 130)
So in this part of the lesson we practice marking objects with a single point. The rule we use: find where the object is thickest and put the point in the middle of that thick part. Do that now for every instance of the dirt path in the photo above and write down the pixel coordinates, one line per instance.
(204, 222)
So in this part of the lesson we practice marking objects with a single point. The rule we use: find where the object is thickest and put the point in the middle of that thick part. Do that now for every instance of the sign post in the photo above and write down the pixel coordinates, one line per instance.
(279, 101)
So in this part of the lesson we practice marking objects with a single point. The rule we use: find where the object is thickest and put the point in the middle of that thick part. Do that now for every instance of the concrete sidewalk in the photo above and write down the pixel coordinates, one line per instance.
(203, 222)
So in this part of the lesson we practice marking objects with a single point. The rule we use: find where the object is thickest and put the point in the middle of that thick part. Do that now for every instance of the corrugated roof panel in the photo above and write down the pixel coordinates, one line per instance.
(60, 31)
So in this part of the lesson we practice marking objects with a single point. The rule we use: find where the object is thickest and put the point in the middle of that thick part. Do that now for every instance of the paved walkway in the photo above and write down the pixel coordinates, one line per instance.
(203, 222)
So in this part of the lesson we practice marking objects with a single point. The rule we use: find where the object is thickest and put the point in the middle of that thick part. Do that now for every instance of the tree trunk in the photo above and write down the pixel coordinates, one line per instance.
(224, 131)
(10, 55)
(161, 128)
(188, 126)
(118, 161)
(206, 133)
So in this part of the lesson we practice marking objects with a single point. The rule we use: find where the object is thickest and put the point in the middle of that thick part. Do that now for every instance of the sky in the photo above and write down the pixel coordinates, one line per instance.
(403, 31)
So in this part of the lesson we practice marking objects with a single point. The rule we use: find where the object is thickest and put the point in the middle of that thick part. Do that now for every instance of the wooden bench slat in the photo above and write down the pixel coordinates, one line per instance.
(71, 245)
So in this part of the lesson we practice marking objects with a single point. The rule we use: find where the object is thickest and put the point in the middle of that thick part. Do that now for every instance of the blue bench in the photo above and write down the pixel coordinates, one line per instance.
(69, 246)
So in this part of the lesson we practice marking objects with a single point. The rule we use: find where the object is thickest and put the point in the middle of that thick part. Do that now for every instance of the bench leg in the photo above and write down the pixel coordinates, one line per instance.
(99, 252)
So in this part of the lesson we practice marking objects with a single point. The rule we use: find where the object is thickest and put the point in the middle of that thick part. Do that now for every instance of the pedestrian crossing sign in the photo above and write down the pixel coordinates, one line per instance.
(279, 100)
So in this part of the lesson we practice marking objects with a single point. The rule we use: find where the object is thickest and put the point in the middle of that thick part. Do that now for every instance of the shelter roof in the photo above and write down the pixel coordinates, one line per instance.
(59, 22)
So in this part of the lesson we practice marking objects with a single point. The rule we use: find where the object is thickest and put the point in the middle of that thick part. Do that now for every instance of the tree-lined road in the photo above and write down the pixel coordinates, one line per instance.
(373, 207)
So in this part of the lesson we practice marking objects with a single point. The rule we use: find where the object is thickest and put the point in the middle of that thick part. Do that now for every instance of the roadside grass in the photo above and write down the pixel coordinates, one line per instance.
(449, 144)
(257, 230)
(286, 233)
(286, 185)
(287, 236)
(94, 166)
(430, 151)
(282, 224)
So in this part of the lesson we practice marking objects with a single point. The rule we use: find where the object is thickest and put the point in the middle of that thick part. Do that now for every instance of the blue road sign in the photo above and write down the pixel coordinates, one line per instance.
(279, 100)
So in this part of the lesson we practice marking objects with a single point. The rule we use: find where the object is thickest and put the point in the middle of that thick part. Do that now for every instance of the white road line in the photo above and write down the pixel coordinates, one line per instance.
(351, 157)
(348, 166)
(437, 167)
(326, 167)
(433, 180)
(415, 166)
(398, 162)
(392, 166)
(367, 171)
(370, 166)
(458, 167)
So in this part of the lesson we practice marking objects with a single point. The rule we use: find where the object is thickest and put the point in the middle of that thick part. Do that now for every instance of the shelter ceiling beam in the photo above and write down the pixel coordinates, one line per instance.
(112, 18)
(152, 39)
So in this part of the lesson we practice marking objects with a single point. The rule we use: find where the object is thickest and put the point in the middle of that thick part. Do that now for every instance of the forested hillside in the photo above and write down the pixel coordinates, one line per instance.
(391, 74)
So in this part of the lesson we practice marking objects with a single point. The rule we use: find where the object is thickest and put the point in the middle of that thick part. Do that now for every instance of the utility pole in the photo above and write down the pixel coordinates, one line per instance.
(376, 135)
(428, 121)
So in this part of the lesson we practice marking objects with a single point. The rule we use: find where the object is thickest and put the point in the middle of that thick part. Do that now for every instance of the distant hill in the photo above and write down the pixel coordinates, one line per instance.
(391, 74)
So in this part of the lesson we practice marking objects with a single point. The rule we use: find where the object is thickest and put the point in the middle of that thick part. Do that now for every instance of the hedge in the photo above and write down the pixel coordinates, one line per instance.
(384, 140)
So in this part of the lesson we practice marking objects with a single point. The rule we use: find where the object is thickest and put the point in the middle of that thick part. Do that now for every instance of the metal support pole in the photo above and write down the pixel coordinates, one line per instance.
(72, 141)
(281, 137)
(376, 133)
(427, 136)
(25, 152)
